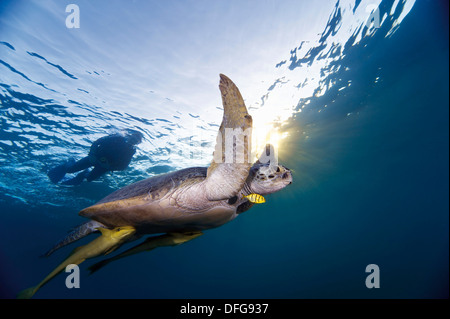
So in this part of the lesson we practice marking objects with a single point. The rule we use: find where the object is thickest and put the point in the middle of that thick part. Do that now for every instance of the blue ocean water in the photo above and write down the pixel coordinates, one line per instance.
(358, 89)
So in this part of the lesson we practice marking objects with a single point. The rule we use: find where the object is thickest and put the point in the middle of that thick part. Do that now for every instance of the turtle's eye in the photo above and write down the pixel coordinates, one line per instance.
(278, 169)
(271, 176)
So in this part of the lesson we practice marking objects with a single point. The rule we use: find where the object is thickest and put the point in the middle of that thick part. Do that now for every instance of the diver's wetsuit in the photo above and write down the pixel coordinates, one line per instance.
(109, 153)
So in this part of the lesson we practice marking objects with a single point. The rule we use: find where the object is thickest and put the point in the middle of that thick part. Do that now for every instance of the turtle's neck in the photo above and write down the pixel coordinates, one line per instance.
(246, 190)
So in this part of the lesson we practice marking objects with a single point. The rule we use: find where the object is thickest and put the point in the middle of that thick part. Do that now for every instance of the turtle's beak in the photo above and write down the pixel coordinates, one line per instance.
(287, 175)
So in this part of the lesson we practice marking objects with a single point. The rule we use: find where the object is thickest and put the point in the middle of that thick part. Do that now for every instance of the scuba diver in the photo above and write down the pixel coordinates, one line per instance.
(107, 154)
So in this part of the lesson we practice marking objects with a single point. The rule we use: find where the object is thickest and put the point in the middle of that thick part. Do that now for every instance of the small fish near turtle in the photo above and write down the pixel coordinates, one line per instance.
(184, 203)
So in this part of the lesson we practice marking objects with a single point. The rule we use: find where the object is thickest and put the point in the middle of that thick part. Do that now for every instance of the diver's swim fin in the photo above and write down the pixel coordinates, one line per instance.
(78, 179)
(57, 173)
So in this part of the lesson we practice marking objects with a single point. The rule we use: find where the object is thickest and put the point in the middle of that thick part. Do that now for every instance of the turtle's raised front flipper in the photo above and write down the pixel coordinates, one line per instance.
(232, 155)
(171, 239)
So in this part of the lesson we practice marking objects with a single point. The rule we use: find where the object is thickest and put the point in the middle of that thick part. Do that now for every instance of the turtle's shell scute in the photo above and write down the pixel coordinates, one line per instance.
(156, 186)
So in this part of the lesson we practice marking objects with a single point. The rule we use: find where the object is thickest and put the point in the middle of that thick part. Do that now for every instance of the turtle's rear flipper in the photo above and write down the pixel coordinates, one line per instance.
(79, 232)
(171, 239)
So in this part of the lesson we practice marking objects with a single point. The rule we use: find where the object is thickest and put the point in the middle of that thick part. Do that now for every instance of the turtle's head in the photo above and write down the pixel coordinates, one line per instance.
(266, 178)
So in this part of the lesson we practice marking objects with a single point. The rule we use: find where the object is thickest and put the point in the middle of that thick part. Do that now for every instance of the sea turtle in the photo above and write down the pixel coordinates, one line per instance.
(197, 198)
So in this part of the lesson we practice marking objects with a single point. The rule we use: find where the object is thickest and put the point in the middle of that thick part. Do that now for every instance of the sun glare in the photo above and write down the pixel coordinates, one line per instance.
(265, 132)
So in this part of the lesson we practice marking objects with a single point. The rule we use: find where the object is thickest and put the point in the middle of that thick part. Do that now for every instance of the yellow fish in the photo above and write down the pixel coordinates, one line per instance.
(255, 198)
(102, 245)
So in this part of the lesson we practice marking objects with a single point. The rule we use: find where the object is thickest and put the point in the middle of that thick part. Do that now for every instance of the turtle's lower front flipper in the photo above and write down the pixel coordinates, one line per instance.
(171, 239)
(102, 245)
